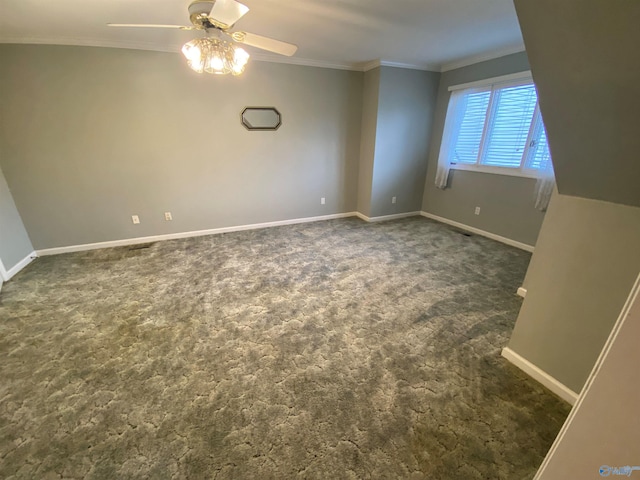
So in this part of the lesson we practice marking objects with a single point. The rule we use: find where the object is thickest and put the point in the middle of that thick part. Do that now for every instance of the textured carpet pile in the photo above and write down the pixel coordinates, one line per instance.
(328, 350)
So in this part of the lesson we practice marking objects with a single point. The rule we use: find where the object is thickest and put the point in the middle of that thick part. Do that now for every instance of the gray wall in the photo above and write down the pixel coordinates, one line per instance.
(605, 427)
(584, 60)
(406, 106)
(506, 202)
(582, 270)
(91, 136)
(370, 94)
(14, 241)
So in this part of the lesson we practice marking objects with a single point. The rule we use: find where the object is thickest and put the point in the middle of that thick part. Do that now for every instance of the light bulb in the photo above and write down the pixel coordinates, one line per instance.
(217, 63)
(193, 53)
(240, 56)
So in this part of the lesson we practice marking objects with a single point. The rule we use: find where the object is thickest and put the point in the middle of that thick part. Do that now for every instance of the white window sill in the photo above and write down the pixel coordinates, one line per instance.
(511, 172)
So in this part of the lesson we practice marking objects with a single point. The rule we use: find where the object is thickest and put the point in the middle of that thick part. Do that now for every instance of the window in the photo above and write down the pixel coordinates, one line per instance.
(496, 127)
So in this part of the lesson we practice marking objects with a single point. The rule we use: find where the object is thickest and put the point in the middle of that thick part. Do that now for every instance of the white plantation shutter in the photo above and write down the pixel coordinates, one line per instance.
(471, 114)
(539, 159)
(495, 126)
(509, 125)
(539, 156)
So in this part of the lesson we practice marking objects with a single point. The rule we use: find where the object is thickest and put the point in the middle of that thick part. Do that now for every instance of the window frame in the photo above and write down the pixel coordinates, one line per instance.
(523, 170)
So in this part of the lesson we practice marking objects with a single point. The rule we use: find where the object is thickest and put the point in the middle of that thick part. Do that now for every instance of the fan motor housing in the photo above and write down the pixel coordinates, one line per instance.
(199, 13)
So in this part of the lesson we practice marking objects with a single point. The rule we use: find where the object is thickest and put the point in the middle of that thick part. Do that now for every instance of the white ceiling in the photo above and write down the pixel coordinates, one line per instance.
(431, 34)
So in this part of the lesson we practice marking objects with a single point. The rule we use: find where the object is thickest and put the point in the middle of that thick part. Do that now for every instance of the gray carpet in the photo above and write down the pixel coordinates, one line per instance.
(329, 350)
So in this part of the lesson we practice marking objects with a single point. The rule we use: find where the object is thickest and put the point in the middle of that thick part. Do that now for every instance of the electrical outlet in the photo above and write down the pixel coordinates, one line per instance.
(322, 201)
(135, 219)
(477, 212)
(167, 216)
(393, 199)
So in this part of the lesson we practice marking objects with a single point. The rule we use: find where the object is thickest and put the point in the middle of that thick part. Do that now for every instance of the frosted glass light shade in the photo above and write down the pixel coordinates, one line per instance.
(215, 56)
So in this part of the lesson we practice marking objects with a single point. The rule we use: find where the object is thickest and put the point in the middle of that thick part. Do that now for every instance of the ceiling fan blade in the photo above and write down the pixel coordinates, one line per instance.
(227, 12)
(147, 25)
(265, 43)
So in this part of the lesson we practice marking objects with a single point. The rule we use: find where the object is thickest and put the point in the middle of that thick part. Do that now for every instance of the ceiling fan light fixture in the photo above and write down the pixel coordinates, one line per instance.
(218, 52)
(212, 55)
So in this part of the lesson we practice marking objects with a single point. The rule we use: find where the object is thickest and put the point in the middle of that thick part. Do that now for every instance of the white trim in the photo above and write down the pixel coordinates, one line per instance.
(83, 42)
(465, 62)
(197, 233)
(383, 218)
(80, 42)
(540, 375)
(357, 67)
(512, 77)
(411, 66)
(3, 275)
(258, 57)
(508, 171)
(307, 62)
(9, 274)
(427, 67)
(492, 236)
(365, 67)
(304, 62)
(634, 296)
(3, 272)
(522, 292)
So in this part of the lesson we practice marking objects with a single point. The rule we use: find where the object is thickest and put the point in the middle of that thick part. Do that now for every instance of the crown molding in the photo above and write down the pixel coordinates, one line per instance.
(427, 67)
(83, 42)
(260, 57)
(365, 67)
(305, 62)
(445, 67)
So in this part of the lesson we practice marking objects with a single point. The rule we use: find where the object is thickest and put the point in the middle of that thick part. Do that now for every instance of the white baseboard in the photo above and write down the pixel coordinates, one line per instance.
(8, 274)
(541, 376)
(522, 292)
(477, 231)
(386, 217)
(197, 233)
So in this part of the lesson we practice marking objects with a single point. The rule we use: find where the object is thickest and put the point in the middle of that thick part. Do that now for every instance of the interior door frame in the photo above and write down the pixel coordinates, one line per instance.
(632, 300)
(4, 276)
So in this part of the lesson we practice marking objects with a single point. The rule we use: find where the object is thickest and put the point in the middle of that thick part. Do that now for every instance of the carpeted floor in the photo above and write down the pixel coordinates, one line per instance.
(328, 350)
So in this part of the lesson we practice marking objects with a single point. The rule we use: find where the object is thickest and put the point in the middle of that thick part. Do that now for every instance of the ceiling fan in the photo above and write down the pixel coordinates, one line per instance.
(217, 52)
